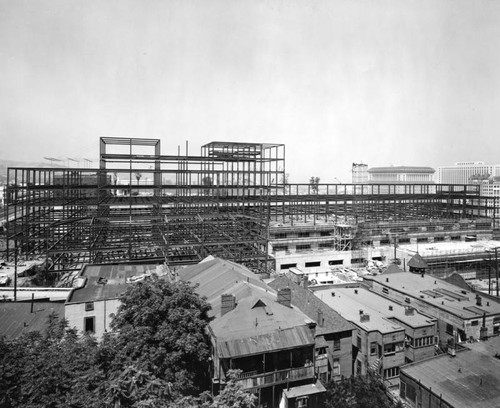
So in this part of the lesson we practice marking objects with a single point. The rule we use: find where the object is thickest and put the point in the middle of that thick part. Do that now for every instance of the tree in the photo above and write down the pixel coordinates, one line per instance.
(233, 395)
(160, 329)
(138, 176)
(55, 369)
(358, 392)
(314, 182)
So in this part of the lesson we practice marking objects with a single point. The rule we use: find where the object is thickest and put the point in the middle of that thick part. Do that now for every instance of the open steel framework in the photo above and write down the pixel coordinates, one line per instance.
(140, 205)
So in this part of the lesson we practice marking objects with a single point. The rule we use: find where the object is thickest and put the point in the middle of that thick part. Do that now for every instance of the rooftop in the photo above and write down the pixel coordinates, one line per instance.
(348, 302)
(216, 277)
(439, 293)
(469, 380)
(307, 302)
(16, 318)
(402, 169)
(99, 282)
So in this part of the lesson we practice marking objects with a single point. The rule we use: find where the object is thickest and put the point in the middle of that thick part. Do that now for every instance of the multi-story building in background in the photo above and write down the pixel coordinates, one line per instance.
(401, 175)
(465, 172)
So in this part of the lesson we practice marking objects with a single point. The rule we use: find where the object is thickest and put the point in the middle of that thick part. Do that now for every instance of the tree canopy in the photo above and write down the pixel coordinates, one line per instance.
(156, 355)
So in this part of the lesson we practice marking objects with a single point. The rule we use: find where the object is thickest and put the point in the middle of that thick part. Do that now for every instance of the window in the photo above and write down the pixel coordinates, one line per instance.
(359, 343)
(280, 235)
(336, 262)
(324, 233)
(357, 260)
(407, 300)
(304, 247)
(288, 266)
(89, 306)
(280, 248)
(303, 234)
(385, 290)
(336, 344)
(373, 348)
(424, 341)
(325, 245)
(391, 372)
(336, 366)
(449, 328)
(392, 348)
(89, 324)
(302, 402)
(313, 264)
(408, 392)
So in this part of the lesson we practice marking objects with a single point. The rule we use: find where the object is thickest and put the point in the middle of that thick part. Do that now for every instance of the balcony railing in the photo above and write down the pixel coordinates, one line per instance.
(253, 380)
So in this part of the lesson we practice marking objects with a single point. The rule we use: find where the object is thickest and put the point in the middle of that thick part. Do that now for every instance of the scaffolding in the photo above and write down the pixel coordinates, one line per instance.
(140, 205)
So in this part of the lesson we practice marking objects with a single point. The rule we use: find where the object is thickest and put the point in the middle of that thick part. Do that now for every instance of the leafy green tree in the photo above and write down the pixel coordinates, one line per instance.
(161, 329)
(359, 392)
(233, 396)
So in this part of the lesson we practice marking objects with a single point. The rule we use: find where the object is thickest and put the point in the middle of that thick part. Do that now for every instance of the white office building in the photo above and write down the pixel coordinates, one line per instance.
(462, 172)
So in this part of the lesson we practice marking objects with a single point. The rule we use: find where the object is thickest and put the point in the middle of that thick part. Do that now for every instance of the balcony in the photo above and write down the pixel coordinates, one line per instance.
(254, 380)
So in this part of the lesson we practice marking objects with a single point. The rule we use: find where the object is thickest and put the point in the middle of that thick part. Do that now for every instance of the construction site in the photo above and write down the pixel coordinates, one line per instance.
(233, 201)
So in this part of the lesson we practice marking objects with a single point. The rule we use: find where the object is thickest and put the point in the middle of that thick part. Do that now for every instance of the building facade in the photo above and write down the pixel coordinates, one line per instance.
(401, 175)
(463, 172)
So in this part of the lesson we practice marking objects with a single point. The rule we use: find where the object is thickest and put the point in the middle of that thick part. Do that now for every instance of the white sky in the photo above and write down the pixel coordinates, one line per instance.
(413, 82)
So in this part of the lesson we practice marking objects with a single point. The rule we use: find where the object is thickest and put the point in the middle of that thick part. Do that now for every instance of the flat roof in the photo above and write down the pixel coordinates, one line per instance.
(303, 390)
(115, 277)
(348, 302)
(468, 380)
(439, 293)
(449, 248)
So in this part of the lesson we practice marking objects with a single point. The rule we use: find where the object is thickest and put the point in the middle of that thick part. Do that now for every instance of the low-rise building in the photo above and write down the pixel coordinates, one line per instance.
(97, 292)
(469, 379)
(461, 314)
(333, 335)
(388, 334)
(256, 330)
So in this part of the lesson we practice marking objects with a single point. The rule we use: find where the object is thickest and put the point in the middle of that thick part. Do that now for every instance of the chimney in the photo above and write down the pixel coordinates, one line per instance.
(387, 279)
(321, 320)
(306, 281)
(409, 311)
(479, 301)
(228, 303)
(364, 317)
(285, 297)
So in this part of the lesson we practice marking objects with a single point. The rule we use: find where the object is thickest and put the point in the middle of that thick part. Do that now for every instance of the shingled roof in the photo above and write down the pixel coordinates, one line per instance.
(417, 262)
(304, 300)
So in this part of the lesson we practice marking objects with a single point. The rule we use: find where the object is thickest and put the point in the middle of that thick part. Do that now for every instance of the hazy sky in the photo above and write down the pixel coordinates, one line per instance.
(338, 81)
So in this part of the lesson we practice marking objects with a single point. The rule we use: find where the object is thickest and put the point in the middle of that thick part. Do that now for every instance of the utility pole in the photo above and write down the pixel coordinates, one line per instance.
(15, 270)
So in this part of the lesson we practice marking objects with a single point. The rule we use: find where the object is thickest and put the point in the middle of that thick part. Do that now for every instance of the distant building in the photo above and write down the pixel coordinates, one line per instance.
(464, 172)
(389, 334)
(467, 380)
(401, 175)
(461, 314)
(359, 173)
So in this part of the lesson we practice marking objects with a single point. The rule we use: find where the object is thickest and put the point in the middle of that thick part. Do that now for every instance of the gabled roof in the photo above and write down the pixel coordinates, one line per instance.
(307, 302)
(392, 268)
(259, 324)
(217, 277)
(16, 317)
(417, 262)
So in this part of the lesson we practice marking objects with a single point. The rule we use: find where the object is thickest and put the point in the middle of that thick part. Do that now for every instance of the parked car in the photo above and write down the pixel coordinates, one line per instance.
(4, 279)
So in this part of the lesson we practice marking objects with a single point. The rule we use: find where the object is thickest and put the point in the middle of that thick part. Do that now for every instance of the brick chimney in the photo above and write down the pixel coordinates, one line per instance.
(409, 311)
(478, 301)
(228, 303)
(285, 297)
(321, 319)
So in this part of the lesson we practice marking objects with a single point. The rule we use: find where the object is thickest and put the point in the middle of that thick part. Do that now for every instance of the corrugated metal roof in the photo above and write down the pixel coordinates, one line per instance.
(275, 340)
(16, 317)
(217, 277)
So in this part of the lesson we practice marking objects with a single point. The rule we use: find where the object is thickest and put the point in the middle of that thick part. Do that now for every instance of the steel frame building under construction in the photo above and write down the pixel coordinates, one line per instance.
(143, 206)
